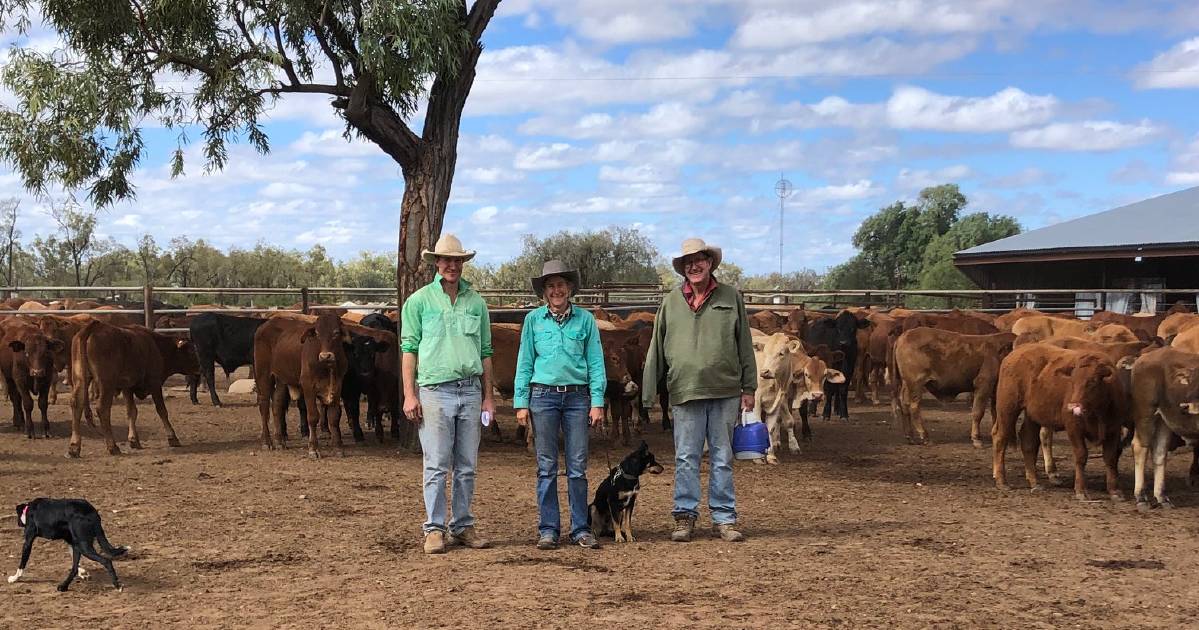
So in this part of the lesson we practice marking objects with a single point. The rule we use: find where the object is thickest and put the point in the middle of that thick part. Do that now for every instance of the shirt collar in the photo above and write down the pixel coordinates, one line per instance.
(570, 310)
(688, 291)
(462, 283)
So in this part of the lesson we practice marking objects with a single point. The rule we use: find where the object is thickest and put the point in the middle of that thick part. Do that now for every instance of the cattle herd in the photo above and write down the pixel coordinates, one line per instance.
(1110, 380)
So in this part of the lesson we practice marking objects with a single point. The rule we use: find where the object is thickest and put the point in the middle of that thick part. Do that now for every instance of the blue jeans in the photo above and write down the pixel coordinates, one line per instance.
(449, 437)
(564, 412)
(694, 422)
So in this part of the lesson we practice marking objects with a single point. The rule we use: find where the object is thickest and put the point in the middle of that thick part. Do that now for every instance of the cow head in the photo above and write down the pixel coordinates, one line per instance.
(361, 352)
(327, 334)
(808, 377)
(35, 351)
(1091, 381)
(774, 356)
(618, 369)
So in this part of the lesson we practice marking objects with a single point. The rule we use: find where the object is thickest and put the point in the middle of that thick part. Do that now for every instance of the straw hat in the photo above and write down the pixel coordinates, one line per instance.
(450, 247)
(695, 246)
(555, 268)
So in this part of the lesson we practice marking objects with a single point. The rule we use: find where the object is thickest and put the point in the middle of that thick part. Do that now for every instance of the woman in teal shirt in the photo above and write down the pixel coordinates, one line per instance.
(560, 382)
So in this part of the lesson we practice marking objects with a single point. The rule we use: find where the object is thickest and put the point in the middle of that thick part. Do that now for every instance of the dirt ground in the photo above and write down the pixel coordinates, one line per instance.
(860, 530)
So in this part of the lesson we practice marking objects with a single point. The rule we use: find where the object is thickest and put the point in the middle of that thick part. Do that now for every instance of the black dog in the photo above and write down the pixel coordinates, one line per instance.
(617, 495)
(72, 520)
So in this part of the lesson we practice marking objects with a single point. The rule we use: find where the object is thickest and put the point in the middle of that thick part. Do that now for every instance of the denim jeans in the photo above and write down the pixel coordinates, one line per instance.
(694, 422)
(449, 437)
(553, 413)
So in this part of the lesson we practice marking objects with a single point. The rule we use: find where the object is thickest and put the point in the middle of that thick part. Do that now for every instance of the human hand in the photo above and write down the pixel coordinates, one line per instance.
(412, 410)
(522, 417)
(747, 402)
(596, 416)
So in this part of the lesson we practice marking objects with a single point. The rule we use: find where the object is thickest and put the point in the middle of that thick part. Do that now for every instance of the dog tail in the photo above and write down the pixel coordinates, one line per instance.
(106, 547)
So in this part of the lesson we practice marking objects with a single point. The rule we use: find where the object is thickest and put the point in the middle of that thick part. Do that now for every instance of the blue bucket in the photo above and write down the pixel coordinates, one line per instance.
(751, 440)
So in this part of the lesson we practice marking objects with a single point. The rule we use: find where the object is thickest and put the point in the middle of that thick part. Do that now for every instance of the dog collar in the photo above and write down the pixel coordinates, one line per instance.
(620, 472)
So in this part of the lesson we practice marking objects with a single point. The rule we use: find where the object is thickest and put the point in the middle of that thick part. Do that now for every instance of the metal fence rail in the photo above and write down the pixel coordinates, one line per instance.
(625, 295)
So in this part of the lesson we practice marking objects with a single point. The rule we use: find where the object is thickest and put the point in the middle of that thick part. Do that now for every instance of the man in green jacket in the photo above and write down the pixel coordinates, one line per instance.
(702, 345)
(445, 336)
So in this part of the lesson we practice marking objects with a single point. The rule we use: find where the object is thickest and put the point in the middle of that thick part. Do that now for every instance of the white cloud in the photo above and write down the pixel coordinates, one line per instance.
(1011, 108)
(910, 181)
(1185, 165)
(492, 175)
(861, 189)
(1091, 135)
(801, 22)
(1178, 67)
(484, 215)
(331, 143)
(335, 232)
(286, 189)
(548, 157)
(130, 221)
(665, 120)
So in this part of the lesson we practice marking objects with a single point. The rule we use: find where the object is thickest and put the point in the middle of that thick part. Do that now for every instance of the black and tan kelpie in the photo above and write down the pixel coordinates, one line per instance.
(616, 496)
(74, 521)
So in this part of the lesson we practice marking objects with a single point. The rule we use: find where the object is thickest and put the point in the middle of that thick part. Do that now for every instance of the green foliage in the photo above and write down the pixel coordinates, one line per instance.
(78, 112)
(616, 254)
(910, 247)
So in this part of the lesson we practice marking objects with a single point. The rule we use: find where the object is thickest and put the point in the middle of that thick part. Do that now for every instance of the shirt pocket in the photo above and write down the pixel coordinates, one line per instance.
(546, 342)
(470, 324)
(726, 316)
(432, 324)
(573, 341)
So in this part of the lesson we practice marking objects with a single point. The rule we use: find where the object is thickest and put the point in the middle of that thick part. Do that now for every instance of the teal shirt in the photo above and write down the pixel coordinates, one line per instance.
(569, 354)
(450, 341)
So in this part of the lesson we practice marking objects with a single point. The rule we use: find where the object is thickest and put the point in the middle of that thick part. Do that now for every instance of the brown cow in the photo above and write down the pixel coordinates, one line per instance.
(27, 363)
(640, 316)
(1045, 326)
(1004, 322)
(1187, 340)
(1145, 326)
(945, 363)
(1175, 323)
(1078, 392)
(953, 321)
(129, 360)
(767, 321)
(878, 352)
(1117, 333)
(1165, 400)
(293, 357)
(618, 347)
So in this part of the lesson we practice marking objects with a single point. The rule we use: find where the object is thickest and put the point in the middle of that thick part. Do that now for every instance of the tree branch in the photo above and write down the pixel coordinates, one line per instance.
(287, 65)
(380, 124)
(324, 42)
(447, 97)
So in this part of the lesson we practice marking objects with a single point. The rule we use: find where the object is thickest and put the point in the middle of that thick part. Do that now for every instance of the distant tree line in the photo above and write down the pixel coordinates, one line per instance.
(902, 246)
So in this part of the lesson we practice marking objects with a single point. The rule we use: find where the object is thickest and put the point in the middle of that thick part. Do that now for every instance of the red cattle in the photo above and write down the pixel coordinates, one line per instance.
(1078, 392)
(27, 363)
(130, 360)
(293, 357)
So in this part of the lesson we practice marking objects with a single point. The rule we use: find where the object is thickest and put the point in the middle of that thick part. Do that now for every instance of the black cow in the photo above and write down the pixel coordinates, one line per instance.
(224, 339)
(839, 334)
(379, 321)
(367, 376)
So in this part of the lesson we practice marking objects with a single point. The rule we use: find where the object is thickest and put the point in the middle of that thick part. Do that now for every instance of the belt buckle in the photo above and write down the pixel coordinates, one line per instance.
(561, 389)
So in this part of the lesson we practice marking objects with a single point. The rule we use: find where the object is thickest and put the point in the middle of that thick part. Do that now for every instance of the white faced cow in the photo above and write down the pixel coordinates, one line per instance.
(787, 376)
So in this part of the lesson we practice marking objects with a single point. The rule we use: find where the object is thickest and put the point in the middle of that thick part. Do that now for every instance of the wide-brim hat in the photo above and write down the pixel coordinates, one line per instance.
(448, 246)
(555, 268)
(696, 246)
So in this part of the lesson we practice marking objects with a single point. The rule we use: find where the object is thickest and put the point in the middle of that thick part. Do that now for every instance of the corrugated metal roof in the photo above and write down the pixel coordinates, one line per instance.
(1171, 219)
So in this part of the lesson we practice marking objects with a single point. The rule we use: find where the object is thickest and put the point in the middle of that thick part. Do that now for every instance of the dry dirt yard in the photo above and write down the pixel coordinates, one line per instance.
(860, 530)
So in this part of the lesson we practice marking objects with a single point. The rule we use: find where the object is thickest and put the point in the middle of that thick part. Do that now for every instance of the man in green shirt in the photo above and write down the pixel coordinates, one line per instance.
(702, 345)
(445, 336)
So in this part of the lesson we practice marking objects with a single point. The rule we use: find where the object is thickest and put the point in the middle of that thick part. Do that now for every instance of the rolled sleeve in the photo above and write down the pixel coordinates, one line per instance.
(524, 366)
(485, 349)
(410, 324)
(597, 375)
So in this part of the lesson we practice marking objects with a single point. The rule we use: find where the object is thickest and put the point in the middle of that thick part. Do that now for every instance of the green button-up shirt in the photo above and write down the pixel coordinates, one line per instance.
(450, 340)
(552, 354)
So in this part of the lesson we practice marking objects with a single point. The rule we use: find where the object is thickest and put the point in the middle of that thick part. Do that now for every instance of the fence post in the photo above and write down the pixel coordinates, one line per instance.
(148, 305)
(304, 300)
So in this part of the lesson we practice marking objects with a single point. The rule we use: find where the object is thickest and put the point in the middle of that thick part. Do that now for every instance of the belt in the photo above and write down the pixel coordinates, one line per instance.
(562, 388)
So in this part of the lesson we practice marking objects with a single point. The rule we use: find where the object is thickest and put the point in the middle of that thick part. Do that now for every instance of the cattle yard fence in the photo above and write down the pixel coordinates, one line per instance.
(622, 298)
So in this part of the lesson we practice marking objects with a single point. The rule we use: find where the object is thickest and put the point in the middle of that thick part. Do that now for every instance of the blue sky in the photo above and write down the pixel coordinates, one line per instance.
(677, 116)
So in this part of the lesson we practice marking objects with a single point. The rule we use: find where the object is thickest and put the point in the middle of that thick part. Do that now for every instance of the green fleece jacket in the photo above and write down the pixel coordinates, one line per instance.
(705, 354)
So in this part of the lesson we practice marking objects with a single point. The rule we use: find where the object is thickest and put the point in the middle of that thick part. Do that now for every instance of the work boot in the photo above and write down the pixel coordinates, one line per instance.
(547, 542)
(435, 541)
(683, 526)
(728, 532)
(469, 538)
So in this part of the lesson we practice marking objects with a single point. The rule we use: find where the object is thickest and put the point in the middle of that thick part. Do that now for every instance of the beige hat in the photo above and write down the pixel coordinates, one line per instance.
(555, 268)
(695, 246)
(450, 247)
